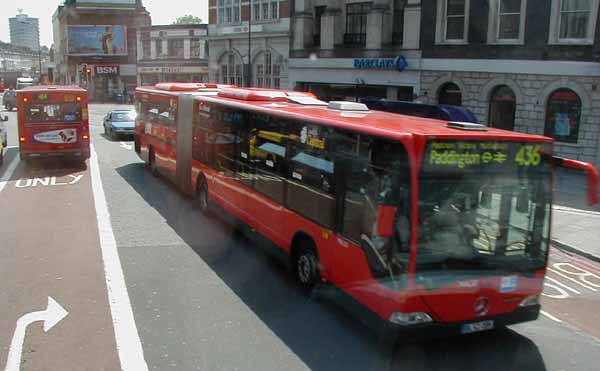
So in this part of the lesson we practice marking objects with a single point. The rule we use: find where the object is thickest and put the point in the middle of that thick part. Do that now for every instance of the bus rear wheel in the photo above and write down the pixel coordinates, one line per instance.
(306, 265)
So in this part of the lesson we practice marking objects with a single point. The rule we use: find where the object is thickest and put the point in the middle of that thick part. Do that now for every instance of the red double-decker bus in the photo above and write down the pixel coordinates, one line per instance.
(426, 224)
(53, 122)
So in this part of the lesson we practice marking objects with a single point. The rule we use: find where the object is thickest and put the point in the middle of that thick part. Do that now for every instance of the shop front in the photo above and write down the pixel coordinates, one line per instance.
(352, 79)
(150, 75)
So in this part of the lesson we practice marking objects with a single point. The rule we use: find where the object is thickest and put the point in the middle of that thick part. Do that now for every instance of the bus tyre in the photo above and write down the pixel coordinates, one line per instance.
(202, 197)
(306, 266)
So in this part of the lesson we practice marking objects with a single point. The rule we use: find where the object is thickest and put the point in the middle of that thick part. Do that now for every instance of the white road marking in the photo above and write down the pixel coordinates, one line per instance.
(129, 346)
(563, 285)
(46, 181)
(8, 173)
(51, 316)
(571, 279)
(126, 146)
(550, 316)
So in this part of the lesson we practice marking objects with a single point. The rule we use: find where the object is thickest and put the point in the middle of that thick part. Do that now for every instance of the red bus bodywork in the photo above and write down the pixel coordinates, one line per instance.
(343, 263)
(64, 136)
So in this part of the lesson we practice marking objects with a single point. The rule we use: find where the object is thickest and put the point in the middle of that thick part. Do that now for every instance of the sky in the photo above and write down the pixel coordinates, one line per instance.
(161, 11)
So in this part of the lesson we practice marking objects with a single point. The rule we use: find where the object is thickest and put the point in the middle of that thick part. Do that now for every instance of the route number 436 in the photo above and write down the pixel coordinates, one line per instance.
(528, 155)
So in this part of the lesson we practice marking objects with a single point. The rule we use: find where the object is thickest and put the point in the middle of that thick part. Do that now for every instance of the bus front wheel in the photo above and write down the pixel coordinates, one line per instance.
(306, 265)
(202, 197)
(152, 163)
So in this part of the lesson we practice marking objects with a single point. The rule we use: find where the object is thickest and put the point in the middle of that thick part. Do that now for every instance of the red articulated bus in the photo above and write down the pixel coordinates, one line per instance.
(53, 122)
(426, 224)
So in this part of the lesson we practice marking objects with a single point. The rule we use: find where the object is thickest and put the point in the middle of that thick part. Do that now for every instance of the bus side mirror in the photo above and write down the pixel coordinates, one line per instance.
(385, 220)
(590, 171)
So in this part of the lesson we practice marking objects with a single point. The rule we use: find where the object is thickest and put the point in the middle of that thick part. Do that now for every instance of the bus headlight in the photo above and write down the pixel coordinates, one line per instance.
(412, 318)
(530, 300)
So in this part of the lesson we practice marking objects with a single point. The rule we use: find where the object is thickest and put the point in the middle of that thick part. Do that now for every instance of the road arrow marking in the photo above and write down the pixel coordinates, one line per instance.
(126, 146)
(51, 316)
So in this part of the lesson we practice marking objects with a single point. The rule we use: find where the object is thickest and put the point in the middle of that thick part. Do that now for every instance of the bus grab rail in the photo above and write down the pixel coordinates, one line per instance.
(590, 171)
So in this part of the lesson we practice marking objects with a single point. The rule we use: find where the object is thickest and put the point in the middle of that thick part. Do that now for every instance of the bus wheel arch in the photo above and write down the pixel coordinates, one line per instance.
(304, 260)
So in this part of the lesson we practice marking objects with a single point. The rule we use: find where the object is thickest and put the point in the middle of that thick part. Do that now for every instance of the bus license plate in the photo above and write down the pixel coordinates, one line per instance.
(468, 328)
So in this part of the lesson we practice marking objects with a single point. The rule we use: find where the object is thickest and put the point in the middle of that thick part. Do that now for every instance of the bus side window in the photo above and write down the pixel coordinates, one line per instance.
(268, 138)
(228, 138)
(310, 189)
(201, 147)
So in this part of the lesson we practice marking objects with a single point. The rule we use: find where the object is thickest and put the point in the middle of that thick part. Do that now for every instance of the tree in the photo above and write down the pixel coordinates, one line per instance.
(187, 19)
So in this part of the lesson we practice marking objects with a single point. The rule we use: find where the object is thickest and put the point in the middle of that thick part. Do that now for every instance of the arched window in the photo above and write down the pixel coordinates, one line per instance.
(450, 94)
(231, 69)
(563, 112)
(267, 70)
(503, 104)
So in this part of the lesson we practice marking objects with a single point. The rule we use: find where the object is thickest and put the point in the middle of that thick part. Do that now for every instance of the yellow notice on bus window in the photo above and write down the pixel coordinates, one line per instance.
(316, 142)
(84, 113)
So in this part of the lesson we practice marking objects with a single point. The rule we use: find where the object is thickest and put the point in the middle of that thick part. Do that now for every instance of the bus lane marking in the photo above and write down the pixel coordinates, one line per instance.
(581, 281)
(557, 282)
(555, 319)
(8, 173)
(129, 346)
(46, 181)
(53, 314)
(126, 146)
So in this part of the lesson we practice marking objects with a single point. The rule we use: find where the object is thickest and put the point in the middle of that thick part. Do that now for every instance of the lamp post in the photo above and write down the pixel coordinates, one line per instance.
(249, 68)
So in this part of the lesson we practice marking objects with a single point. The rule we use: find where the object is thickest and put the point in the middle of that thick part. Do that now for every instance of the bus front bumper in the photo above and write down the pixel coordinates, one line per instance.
(438, 329)
(74, 154)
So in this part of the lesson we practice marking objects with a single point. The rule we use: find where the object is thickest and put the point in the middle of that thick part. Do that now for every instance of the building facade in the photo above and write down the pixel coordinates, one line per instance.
(249, 42)
(526, 65)
(175, 53)
(25, 31)
(95, 45)
(346, 50)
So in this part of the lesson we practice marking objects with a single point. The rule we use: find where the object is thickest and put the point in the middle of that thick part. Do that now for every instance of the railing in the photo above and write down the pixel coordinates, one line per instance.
(359, 39)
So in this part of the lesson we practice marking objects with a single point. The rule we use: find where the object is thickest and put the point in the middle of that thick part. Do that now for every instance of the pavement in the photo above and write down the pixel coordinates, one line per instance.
(203, 297)
(575, 224)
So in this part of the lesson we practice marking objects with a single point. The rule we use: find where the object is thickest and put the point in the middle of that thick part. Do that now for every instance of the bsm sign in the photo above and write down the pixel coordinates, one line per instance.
(399, 63)
(107, 70)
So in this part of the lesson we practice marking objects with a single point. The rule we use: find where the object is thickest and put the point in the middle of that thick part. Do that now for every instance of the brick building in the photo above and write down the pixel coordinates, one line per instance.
(95, 45)
(176, 53)
(237, 55)
(525, 65)
(350, 49)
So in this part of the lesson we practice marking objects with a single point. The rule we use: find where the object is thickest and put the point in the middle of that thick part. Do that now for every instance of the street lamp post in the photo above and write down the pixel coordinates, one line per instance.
(249, 68)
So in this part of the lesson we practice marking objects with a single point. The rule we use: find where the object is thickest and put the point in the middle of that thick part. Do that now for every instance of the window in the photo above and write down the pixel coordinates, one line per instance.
(450, 94)
(267, 70)
(319, 10)
(503, 104)
(51, 113)
(356, 23)
(452, 21)
(563, 113)
(146, 49)
(231, 69)
(228, 11)
(159, 49)
(573, 21)
(264, 10)
(195, 48)
(398, 22)
(175, 47)
(506, 21)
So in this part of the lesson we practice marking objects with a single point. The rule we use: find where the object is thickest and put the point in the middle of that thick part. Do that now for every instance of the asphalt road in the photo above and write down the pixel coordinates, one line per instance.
(204, 297)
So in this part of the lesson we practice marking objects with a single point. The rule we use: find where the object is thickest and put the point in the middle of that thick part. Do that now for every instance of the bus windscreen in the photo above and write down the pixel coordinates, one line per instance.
(52, 113)
(484, 207)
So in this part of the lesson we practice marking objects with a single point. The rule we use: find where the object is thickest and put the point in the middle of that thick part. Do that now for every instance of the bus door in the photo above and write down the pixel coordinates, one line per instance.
(53, 123)
(162, 114)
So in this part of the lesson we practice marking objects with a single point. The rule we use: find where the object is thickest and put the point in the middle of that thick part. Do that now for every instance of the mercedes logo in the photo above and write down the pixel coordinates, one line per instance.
(481, 306)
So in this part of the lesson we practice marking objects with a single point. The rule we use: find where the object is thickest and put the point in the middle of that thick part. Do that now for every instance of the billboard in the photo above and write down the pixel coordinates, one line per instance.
(96, 40)
(110, 2)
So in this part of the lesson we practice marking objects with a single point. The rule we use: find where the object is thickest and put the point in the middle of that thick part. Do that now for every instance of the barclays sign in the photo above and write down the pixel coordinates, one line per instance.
(398, 63)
